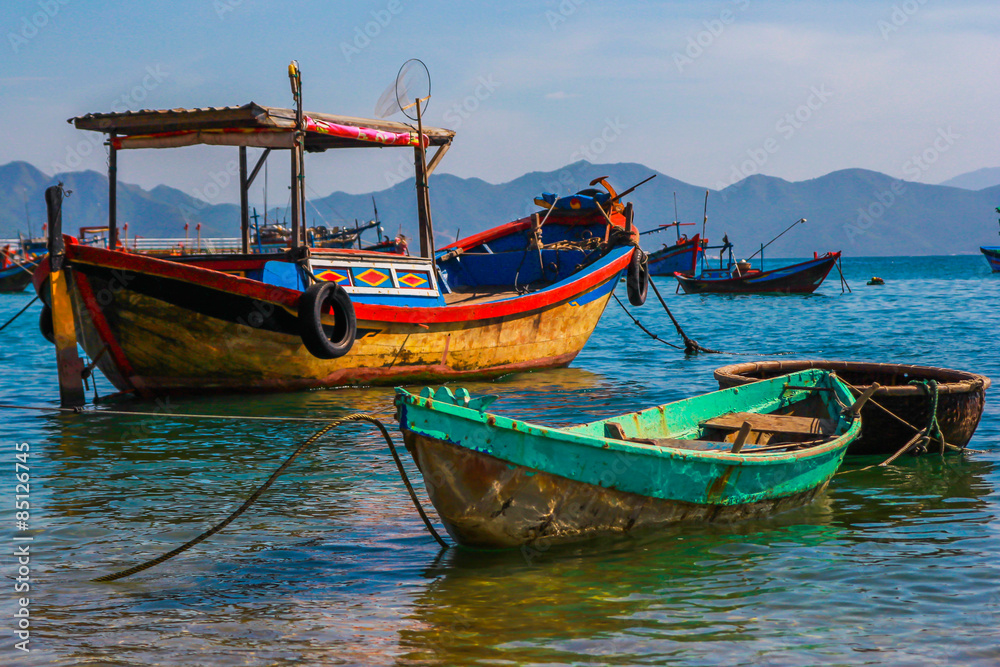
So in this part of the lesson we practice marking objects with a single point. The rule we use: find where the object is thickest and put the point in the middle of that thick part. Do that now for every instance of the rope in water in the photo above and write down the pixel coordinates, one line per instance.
(19, 313)
(130, 413)
(691, 346)
(357, 417)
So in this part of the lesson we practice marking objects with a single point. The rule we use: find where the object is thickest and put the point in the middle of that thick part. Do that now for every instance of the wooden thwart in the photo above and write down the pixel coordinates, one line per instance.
(783, 424)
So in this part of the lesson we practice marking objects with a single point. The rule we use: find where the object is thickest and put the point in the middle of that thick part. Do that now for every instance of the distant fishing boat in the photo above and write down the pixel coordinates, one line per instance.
(737, 453)
(992, 254)
(524, 295)
(904, 391)
(740, 278)
(679, 257)
(18, 264)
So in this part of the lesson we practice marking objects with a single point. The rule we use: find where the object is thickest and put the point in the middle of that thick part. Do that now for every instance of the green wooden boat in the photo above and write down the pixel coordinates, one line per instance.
(732, 454)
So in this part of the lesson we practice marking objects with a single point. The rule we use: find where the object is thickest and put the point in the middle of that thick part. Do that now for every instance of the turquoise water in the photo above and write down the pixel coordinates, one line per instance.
(893, 566)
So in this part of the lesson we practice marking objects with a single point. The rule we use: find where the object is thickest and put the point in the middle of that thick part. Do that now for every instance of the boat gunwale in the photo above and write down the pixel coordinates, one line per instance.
(574, 438)
(591, 277)
(959, 382)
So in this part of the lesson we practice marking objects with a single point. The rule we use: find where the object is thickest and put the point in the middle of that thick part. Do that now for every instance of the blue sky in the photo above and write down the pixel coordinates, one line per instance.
(707, 92)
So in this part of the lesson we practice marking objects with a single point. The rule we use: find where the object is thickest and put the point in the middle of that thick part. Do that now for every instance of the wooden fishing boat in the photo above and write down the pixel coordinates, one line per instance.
(992, 255)
(682, 257)
(961, 397)
(17, 267)
(525, 295)
(731, 454)
(739, 278)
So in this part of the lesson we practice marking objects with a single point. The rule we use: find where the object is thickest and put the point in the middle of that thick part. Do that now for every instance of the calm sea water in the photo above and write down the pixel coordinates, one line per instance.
(893, 566)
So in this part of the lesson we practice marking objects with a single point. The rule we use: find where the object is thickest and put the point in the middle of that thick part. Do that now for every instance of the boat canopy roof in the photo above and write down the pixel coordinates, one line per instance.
(252, 125)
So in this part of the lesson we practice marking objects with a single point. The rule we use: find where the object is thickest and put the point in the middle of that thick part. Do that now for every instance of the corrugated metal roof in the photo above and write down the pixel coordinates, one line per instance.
(247, 116)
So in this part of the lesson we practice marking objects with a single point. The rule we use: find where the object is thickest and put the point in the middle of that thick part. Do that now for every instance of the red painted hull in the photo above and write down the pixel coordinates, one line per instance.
(160, 326)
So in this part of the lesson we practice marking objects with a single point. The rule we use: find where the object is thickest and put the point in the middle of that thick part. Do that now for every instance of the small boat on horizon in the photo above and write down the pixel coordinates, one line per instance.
(992, 253)
(739, 277)
(732, 454)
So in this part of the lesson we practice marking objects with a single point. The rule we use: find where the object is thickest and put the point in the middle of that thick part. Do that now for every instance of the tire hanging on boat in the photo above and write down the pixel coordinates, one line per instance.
(45, 324)
(637, 278)
(325, 342)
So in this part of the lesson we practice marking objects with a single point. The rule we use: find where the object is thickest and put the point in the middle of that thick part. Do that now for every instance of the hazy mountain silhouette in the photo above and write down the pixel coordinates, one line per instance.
(976, 180)
(860, 212)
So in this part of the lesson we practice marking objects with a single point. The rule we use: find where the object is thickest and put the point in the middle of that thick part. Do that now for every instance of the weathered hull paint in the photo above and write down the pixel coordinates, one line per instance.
(498, 482)
(472, 490)
(170, 329)
(961, 399)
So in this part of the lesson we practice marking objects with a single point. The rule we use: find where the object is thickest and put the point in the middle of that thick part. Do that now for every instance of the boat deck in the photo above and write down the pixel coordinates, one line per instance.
(481, 295)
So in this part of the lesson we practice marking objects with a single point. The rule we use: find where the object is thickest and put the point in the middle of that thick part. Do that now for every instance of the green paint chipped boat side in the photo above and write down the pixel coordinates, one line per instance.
(500, 482)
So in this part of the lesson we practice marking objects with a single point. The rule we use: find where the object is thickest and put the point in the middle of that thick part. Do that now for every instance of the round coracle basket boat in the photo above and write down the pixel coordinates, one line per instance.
(961, 397)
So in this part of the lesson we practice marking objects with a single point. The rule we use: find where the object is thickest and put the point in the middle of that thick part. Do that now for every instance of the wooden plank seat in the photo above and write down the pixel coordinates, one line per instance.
(614, 431)
(776, 424)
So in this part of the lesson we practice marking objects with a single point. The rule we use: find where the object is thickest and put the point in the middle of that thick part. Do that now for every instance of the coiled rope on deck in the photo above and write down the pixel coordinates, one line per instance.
(357, 417)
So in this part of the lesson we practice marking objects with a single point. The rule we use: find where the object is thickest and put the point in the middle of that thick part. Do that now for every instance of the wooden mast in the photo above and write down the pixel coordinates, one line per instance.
(295, 76)
(423, 192)
(244, 203)
(112, 193)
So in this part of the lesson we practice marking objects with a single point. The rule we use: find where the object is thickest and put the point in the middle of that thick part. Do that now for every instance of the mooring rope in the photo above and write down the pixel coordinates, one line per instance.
(357, 417)
(19, 313)
(130, 413)
(922, 435)
(691, 346)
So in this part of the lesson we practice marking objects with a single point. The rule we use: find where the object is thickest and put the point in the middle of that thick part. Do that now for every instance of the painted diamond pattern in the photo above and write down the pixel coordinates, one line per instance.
(414, 280)
(372, 277)
(335, 276)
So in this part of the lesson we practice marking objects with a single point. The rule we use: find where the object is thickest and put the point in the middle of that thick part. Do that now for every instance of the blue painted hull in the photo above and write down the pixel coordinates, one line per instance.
(680, 258)
(992, 255)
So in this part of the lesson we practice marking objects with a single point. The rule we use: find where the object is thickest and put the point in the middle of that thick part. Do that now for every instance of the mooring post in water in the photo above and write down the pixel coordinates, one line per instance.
(64, 331)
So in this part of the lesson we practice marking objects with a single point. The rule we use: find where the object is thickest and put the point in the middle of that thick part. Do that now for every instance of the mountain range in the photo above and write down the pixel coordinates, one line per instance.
(854, 210)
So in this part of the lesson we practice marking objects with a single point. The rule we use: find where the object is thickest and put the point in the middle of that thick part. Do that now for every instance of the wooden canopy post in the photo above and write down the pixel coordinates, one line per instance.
(298, 165)
(112, 193)
(295, 195)
(244, 203)
(423, 191)
(68, 363)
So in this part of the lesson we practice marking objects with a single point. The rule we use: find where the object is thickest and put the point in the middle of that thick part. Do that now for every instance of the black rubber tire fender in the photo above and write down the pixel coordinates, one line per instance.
(637, 278)
(45, 324)
(327, 342)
